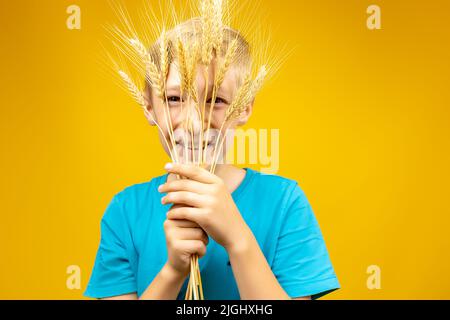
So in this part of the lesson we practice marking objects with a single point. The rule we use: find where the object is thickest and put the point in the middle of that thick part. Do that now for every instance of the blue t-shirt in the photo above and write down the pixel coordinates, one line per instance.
(133, 249)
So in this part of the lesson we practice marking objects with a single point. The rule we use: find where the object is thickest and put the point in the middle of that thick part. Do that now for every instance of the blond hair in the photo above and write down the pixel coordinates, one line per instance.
(190, 33)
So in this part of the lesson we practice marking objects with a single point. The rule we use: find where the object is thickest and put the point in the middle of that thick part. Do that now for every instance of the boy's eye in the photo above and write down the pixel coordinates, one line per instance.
(173, 99)
(218, 101)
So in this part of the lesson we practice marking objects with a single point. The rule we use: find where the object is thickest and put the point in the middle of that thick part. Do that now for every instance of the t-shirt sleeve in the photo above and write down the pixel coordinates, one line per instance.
(301, 263)
(112, 274)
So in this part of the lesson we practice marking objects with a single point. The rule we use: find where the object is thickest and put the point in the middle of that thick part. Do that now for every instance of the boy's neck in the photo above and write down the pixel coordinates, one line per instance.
(232, 176)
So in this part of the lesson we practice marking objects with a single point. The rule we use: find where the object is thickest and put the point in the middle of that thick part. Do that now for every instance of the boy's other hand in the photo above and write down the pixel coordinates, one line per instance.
(184, 238)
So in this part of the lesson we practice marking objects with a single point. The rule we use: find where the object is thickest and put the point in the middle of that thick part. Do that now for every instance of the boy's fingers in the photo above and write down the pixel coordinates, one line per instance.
(192, 172)
(185, 213)
(193, 247)
(192, 234)
(183, 197)
(184, 224)
(183, 185)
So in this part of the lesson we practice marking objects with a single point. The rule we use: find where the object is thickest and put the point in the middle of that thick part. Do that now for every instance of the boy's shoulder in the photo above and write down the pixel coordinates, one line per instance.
(276, 194)
(135, 199)
(274, 184)
(140, 189)
(274, 180)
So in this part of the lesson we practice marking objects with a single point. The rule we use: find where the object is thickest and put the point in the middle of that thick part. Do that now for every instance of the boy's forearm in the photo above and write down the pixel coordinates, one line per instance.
(253, 274)
(165, 286)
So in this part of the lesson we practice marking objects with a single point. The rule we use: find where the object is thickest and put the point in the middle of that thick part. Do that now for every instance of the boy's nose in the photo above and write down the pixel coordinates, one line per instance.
(192, 119)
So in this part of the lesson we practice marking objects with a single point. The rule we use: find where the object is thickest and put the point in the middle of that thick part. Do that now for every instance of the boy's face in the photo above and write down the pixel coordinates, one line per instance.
(186, 115)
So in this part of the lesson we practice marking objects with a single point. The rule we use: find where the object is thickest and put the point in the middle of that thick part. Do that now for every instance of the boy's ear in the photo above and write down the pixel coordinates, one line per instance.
(245, 116)
(149, 114)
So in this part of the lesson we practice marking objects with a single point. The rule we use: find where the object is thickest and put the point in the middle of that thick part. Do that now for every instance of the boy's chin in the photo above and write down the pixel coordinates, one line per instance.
(193, 158)
(205, 164)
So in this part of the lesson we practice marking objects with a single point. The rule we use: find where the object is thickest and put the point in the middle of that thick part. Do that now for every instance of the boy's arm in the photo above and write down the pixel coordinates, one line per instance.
(165, 286)
(261, 284)
(131, 296)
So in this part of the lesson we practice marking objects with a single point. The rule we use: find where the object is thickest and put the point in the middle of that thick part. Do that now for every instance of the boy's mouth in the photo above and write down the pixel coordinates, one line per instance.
(187, 143)
(196, 147)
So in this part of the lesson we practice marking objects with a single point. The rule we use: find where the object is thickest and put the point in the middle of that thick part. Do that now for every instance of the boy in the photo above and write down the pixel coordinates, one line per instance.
(256, 234)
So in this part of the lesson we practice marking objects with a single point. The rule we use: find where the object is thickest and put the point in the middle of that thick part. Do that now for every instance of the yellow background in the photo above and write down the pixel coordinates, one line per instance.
(364, 128)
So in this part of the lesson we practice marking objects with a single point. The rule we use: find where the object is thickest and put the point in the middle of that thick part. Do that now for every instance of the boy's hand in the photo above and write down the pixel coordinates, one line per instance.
(184, 238)
(204, 199)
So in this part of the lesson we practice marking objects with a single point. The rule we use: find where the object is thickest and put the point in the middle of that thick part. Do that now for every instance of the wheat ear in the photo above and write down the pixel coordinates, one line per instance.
(258, 82)
(192, 70)
(207, 18)
(154, 76)
(135, 92)
(164, 53)
(228, 59)
(184, 70)
(157, 81)
(140, 99)
(217, 25)
(235, 107)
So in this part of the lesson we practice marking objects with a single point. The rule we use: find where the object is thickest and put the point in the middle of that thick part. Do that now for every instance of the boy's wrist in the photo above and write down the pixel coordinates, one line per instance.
(242, 245)
(171, 274)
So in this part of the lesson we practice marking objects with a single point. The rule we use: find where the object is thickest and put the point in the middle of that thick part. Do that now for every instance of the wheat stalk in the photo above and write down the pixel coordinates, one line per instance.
(140, 99)
(157, 80)
(231, 113)
(229, 56)
(164, 63)
(244, 96)
(187, 82)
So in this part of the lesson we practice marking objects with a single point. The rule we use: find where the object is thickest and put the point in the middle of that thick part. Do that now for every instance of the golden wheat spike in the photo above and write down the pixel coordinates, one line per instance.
(192, 70)
(207, 18)
(229, 56)
(135, 92)
(153, 76)
(217, 24)
(184, 70)
(235, 108)
(164, 53)
(211, 12)
(258, 82)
